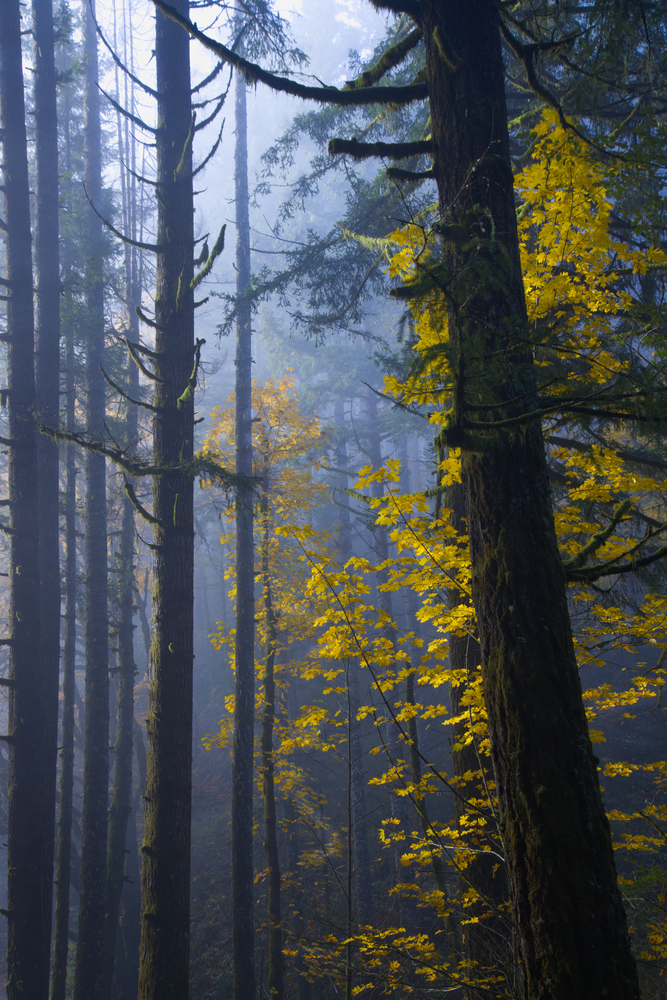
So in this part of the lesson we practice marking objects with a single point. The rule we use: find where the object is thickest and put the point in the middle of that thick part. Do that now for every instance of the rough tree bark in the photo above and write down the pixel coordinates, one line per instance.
(47, 389)
(29, 849)
(571, 928)
(243, 931)
(165, 931)
(89, 969)
(64, 855)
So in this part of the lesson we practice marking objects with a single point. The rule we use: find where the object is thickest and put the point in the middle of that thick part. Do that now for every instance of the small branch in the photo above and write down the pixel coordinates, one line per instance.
(7, 682)
(144, 319)
(151, 247)
(392, 57)
(214, 149)
(188, 393)
(598, 539)
(391, 150)
(139, 363)
(411, 176)
(135, 79)
(121, 392)
(218, 247)
(187, 148)
(138, 506)
(214, 114)
(127, 114)
(141, 348)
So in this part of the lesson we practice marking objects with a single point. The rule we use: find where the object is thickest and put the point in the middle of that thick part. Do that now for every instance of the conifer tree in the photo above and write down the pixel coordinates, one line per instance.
(89, 970)
(30, 830)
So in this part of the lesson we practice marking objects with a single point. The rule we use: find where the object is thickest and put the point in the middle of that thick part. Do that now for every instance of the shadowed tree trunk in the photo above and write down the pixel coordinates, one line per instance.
(121, 799)
(276, 962)
(47, 388)
(554, 830)
(64, 856)
(243, 931)
(29, 848)
(165, 931)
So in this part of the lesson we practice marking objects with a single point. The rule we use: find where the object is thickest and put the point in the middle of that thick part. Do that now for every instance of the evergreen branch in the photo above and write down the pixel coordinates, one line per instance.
(392, 57)
(139, 177)
(218, 247)
(138, 506)
(199, 465)
(390, 150)
(144, 318)
(614, 569)
(116, 59)
(188, 393)
(152, 247)
(187, 147)
(127, 114)
(410, 7)
(598, 539)
(207, 79)
(141, 348)
(211, 153)
(399, 174)
(627, 456)
(121, 392)
(139, 363)
(326, 95)
(214, 114)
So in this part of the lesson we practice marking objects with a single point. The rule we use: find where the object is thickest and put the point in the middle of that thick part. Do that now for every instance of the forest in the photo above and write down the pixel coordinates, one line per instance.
(333, 414)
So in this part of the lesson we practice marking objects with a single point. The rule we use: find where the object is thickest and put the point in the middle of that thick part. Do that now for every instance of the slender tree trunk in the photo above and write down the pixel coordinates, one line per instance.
(47, 387)
(571, 927)
(276, 962)
(89, 969)
(363, 895)
(165, 930)
(243, 930)
(63, 862)
(121, 799)
(29, 851)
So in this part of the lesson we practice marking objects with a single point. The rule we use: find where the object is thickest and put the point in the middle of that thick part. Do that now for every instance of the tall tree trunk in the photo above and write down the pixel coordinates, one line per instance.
(64, 856)
(486, 941)
(276, 962)
(243, 930)
(63, 861)
(47, 388)
(571, 928)
(165, 930)
(89, 969)
(121, 798)
(29, 850)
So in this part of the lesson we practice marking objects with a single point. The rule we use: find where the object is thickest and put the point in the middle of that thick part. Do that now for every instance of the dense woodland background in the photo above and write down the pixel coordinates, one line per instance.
(303, 374)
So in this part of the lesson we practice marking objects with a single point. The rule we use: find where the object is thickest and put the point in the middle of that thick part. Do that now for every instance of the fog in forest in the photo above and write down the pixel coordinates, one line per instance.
(332, 549)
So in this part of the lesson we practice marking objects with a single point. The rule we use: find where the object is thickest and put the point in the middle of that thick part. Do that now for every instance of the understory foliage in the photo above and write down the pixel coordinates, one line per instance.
(594, 272)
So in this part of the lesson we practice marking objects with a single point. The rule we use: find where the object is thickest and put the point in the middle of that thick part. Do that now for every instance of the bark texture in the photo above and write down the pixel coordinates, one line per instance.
(47, 389)
(571, 928)
(243, 931)
(165, 930)
(29, 849)
(89, 969)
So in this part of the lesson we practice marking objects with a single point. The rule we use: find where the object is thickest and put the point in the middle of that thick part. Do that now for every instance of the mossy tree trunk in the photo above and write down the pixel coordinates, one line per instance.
(571, 927)
(29, 849)
(165, 930)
